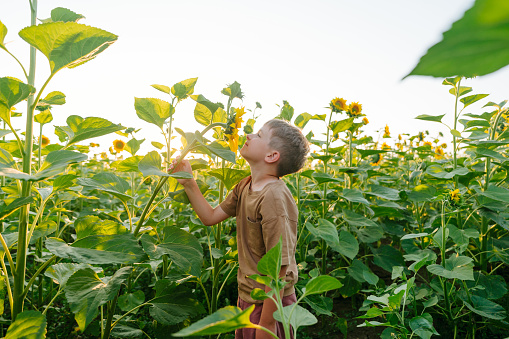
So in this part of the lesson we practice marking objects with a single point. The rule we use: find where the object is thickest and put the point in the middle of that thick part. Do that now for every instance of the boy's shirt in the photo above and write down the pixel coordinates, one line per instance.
(262, 218)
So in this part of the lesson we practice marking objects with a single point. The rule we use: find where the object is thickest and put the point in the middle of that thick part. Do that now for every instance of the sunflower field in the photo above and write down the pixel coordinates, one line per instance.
(399, 236)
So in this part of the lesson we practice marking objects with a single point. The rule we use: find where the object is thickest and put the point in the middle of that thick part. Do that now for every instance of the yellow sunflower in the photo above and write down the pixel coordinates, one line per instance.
(338, 104)
(44, 141)
(233, 141)
(365, 121)
(455, 195)
(94, 145)
(231, 134)
(104, 155)
(427, 143)
(385, 147)
(354, 110)
(118, 145)
(444, 145)
(376, 159)
(387, 133)
(439, 152)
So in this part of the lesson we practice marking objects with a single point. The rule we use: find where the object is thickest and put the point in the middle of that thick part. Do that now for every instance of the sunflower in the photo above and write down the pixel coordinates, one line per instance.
(439, 152)
(444, 145)
(399, 137)
(44, 141)
(232, 131)
(427, 143)
(387, 133)
(376, 159)
(118, 145)
(94, 145)
(385, 147)
(338, 104)
(354, 110)
(365, 121)
(104, 155)
(455, 195)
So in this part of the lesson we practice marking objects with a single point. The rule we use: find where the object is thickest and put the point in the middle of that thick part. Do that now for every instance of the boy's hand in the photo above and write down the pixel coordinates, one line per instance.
(184, 166)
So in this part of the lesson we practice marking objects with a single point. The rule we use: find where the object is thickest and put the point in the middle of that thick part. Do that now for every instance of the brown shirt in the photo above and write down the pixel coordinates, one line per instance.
(262, 218)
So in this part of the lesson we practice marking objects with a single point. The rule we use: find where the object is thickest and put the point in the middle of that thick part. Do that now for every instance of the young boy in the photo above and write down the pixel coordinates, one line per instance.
(265, 211)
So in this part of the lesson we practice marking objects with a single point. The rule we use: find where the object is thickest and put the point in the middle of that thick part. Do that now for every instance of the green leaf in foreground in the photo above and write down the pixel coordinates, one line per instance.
(28, 324)
(475, 45)
(320, 284)
(300, 316)
(224, 320)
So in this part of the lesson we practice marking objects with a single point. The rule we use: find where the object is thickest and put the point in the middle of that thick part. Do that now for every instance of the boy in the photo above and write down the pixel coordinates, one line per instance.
(265, 211)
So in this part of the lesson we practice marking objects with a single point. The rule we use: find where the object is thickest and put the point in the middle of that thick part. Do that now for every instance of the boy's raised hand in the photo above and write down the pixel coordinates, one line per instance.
(184, 166)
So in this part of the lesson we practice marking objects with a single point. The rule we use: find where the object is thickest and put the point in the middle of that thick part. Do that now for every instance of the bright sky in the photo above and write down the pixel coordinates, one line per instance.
(305, 52)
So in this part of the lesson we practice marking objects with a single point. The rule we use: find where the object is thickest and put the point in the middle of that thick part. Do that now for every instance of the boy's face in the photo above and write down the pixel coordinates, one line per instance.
(257, 147)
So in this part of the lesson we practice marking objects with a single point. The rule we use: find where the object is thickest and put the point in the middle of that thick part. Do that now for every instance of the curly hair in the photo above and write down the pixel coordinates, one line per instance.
(291, 144)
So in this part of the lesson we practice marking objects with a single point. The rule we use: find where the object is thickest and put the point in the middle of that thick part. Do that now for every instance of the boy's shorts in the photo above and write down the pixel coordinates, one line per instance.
(249, 333)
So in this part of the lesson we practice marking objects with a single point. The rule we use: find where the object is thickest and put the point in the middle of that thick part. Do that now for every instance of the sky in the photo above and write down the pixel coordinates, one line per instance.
(305, 52)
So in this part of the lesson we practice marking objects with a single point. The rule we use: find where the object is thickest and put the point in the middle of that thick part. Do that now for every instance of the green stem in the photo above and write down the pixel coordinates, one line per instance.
(7, 283)
(23, 68)
(36, 274)
(21, 255)
(111, 310)
(52, 301)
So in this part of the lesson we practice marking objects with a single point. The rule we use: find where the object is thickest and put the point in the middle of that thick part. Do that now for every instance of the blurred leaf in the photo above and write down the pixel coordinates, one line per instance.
(435, 118)
(92, 225)
(270, 263)
(475, 45)
(299, 316)
(226, 319)
(28, 324)
(321, 284)
(130, 164)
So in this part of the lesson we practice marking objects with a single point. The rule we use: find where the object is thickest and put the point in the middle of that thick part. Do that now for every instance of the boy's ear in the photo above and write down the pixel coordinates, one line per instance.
(272, 157)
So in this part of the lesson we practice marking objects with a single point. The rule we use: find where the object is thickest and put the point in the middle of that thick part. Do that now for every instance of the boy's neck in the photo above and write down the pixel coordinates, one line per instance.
(259, 180)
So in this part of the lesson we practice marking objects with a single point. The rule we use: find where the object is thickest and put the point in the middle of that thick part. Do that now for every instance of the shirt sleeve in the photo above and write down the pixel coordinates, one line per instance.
(229, 205)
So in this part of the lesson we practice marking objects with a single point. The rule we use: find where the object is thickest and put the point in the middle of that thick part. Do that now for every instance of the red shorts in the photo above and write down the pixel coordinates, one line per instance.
(249, 333)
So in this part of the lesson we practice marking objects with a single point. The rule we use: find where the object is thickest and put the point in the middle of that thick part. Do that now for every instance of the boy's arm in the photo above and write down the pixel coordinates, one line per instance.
(207, 214)
(269, 307)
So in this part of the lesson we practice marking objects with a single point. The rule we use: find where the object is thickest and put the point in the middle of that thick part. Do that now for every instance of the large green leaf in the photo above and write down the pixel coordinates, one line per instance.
(184, 88)
(485, 307)
(477, 44)
(129, 164)
(99, 249)
(270, 263)
(387, 257)
(220, 151)
(182, 248)
(173, 304)
(6, 210)
(348, 245)
(85, 292)
(60, 273)
(12, 91)
(67, 44)
(354, 195)
(80, 129)
(383, 192)
(341, 126)
(225, 320)
(496, 193)
(327, 231)
(438, 172)
(56, 162)
(456, 267)
(28, 325)
(423, 326)
(153, 110)
(299, 316)
(321, 284)
(362, 273)
(92, 225)
(367, 230)
(488, 286)
(108, 182)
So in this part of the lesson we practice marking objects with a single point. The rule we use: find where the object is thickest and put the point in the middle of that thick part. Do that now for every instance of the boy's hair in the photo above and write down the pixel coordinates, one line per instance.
(291, 144)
